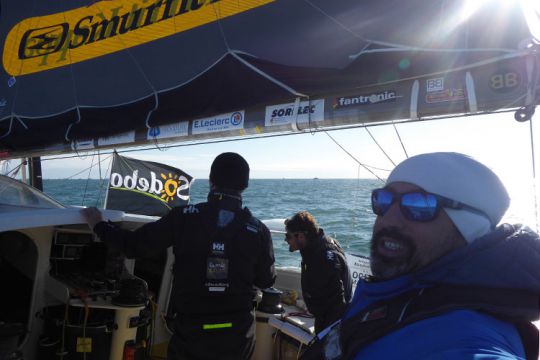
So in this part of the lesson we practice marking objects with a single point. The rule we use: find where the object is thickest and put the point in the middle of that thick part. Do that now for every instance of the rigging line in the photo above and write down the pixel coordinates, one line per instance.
(13, 172)
(533, 159)
(394, 45)
(348, 153)
(400, 141)
(13, 117)
(103, 182)
(144, 76)
(263, 136)
(88, 179)
(99, 163)
(380, 147)
(74, 85)
(220, 26)
(84, 170)
(267, 76)
(536, 70)
(14, 83)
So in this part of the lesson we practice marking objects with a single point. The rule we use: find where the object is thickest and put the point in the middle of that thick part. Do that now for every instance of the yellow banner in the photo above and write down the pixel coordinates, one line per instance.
(47, 42)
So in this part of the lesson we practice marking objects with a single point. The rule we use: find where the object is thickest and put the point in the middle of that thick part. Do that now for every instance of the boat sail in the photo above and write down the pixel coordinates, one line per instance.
(100, 74)
(87, 74)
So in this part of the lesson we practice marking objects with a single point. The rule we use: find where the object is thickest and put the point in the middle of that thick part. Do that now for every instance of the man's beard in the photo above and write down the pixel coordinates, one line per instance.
(384, 267)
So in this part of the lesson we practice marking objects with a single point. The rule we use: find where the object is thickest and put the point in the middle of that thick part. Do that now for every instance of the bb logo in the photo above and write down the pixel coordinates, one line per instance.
(504, 81)
(43, 41)
(236, 118)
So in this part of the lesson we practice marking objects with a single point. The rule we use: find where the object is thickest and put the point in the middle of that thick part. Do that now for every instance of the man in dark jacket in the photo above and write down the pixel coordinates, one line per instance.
(221, 252)
(326, 281)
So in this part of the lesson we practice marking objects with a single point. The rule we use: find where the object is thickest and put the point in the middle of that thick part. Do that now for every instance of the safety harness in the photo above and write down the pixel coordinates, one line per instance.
(347, 337)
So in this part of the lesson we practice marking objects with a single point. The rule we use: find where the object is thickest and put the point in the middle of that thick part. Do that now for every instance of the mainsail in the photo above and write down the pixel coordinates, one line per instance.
(86, 74)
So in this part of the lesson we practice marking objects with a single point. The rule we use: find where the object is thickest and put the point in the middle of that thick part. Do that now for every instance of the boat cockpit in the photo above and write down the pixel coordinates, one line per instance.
(65, 296)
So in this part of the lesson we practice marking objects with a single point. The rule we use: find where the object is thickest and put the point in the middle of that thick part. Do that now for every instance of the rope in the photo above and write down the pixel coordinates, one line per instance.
(533, 160)
(103, 182)
(88, 179)
(367, 167)
(401, 142)
(380, 147)
(80, 172)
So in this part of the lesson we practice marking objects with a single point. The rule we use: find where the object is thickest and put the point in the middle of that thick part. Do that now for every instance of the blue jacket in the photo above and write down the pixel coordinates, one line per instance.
(509, 257)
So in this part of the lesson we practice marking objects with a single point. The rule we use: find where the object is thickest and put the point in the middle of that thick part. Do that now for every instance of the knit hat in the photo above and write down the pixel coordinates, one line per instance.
(460, 178)
(230, 171)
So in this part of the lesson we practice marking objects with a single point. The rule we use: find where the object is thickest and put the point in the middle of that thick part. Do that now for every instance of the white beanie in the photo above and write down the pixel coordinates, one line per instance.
(460, 178)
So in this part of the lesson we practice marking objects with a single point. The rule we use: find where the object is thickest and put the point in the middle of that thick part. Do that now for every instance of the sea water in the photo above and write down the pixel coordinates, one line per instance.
(341, 206)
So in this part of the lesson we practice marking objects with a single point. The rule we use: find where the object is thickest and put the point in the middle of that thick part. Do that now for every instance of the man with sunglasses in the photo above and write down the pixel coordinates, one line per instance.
(325, 278)
(448, 282)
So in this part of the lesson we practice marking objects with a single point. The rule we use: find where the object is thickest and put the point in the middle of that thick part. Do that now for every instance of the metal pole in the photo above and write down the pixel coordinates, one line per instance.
(35, 173)
(24, 164)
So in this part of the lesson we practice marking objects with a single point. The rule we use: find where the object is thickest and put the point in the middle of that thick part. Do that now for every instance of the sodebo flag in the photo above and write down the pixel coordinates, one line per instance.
(145, 187)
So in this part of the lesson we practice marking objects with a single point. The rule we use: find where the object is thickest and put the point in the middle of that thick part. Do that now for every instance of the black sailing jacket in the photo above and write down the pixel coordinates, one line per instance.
(326, 281)
(243, 248)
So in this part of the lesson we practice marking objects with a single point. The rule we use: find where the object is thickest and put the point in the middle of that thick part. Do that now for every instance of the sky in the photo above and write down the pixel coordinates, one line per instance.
(497, 140)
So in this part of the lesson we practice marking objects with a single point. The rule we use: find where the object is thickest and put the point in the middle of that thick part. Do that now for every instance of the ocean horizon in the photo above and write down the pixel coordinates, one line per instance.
(342, 207)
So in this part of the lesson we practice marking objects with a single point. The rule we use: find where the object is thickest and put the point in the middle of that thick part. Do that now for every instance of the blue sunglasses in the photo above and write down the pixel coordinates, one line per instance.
(417, 205)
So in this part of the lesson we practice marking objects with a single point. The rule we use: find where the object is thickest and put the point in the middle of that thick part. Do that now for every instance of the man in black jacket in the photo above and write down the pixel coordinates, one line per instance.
(326, 281)
(221, 252)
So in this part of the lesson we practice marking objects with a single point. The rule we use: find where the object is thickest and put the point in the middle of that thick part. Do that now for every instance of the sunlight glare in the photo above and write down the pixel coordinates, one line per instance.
(531, 10)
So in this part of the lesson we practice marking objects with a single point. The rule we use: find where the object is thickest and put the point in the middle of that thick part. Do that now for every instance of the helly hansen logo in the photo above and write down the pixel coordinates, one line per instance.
(218, 247)
(191, 210)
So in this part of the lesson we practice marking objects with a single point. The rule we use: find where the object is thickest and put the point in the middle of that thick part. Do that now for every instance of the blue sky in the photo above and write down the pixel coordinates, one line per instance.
(497, 140)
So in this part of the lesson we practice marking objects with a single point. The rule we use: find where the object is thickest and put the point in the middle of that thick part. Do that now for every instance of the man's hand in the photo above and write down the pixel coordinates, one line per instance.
(92, 216)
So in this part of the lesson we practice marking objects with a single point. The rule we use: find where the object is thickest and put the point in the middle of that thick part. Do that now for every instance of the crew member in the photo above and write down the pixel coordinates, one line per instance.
(221, 252)
(326, 281)
(448, 281)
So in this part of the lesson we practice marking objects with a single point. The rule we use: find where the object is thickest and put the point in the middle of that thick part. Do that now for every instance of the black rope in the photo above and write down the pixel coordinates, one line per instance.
(103, 182)
(88, 179)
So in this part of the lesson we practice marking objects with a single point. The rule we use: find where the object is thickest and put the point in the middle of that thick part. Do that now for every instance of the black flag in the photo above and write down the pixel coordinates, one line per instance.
(145, 187)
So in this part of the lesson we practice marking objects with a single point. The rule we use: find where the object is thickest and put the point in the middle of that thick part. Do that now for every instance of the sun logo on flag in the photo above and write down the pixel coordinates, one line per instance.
(170, 187)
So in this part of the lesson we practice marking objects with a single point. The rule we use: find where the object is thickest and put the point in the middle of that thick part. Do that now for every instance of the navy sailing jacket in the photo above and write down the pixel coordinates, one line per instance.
(507, 258)
(221, 252)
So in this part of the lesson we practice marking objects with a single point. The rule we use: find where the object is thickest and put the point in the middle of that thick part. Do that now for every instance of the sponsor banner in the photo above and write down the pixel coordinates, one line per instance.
(145, 187)
(287, 113)
(435, 84)
(224, 122)
(124, 138)
(82, 145)
(168, 131)
(505, 80)
(359, 267)
(447, 95)
(365, 99)
(105, 27)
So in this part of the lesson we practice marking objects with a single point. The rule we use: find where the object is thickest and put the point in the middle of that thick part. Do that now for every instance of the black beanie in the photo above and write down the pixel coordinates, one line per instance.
(230, 171)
